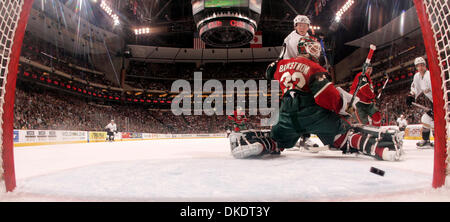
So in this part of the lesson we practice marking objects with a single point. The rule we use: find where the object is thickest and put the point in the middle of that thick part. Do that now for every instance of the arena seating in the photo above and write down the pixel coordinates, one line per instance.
(45, 100)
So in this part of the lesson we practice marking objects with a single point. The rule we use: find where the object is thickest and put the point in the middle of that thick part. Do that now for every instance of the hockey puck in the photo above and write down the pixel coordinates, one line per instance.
(377, 171)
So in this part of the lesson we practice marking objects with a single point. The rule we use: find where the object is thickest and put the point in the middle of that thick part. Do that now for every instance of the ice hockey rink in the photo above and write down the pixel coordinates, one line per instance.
(204, 170)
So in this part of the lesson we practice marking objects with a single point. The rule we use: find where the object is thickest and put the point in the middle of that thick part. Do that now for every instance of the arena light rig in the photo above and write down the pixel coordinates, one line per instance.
(314, 29)
(110, 12)
(142, 31)
(344, 8)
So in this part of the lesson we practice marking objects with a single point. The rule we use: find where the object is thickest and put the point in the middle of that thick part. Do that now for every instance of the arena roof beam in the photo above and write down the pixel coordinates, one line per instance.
(307, 7)
(161, 10)
(393, 31)
(291, 7)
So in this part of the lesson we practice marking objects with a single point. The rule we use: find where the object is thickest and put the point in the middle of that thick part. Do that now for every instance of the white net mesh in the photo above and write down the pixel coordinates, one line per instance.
(9, 17)
(438, 12)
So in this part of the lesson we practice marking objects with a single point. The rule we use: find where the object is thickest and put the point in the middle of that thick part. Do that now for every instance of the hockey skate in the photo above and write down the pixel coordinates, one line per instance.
(425, 144)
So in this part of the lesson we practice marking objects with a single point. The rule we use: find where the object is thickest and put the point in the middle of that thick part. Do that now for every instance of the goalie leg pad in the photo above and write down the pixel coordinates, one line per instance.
(381, 144)
(246, 151)
(363, 143)
(383, 153)
(251, 143)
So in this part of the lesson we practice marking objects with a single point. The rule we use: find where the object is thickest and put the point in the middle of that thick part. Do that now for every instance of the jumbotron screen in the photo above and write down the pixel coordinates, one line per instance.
(226, 23)
(225, 3)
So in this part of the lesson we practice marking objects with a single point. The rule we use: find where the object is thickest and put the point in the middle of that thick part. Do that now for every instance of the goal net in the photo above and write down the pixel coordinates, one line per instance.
(13, 20)
(434, 19)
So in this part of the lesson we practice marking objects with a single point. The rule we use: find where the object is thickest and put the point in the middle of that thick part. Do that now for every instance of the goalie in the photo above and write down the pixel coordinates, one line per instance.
(312, 104)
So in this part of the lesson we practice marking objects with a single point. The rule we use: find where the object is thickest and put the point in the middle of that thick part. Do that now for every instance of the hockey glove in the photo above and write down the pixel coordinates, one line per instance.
(271, 69)
(430, 113)
(409, 100)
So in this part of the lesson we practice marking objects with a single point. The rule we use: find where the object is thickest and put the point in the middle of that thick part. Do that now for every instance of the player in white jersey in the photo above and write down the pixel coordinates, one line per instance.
(422, 84)
(402, 123)
(301, 27)
(111, 129)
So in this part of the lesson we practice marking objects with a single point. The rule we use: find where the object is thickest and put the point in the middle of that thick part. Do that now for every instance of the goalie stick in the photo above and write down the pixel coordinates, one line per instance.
(365, 65)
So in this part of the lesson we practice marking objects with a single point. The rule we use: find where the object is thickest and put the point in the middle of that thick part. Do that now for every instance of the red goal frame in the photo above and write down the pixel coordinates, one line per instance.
(9, 97)
(440, 131)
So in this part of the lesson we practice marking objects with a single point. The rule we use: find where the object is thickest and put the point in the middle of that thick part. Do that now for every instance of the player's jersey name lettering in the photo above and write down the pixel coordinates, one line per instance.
(303, 68)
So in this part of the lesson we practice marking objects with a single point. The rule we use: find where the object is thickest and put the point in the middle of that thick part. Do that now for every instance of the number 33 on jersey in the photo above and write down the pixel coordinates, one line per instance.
(307, 76)
(295, 73)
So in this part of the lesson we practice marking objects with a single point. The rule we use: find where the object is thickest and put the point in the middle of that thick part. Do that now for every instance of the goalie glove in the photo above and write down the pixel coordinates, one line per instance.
(347, 108)
(430, 113)
(410, 99)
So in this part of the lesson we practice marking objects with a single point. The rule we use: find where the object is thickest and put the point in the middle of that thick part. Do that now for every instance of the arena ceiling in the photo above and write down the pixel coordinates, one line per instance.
(177, 25)
(173, 24)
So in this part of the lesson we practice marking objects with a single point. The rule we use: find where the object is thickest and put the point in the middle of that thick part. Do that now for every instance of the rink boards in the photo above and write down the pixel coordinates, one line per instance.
(47, 137)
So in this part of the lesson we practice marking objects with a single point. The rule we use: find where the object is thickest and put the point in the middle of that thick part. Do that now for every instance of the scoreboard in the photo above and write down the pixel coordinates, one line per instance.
(225, 3)
(226, 23)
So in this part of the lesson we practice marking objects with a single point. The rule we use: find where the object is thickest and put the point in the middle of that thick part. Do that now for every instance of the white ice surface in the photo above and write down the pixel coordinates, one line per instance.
(204, 170)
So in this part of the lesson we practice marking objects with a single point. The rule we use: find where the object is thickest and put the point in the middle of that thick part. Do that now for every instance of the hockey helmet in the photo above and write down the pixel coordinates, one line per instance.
(301, 19)
(419, 60)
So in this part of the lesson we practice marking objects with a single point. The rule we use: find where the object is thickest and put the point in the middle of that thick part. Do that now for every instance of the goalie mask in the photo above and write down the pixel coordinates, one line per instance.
(309, 46)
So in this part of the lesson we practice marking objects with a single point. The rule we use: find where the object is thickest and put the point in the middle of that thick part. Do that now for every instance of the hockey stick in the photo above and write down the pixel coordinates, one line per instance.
(280, 57)
(384, 85)
(365, 65)
(421, 106)
(327, 64)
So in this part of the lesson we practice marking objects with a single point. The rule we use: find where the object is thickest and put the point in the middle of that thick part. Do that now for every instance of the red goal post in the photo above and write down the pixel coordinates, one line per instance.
(13, 21)
(434, 19)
